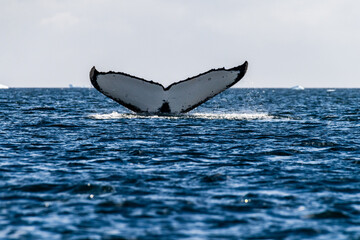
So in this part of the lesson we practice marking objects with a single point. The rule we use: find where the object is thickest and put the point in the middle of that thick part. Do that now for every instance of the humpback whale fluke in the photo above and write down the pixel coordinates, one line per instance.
(143, 96)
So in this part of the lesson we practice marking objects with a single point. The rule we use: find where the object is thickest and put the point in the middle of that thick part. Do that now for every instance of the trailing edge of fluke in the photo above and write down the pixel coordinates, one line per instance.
(143, 96)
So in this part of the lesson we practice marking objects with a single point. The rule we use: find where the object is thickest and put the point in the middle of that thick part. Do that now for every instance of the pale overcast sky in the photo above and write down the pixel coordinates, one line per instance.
(54, 43)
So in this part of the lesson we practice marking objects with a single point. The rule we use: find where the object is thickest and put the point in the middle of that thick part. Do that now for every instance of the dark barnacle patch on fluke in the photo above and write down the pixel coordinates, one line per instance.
(143, 96)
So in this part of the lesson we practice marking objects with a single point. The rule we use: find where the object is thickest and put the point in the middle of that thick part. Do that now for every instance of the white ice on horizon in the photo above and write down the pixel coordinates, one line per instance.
(76, 86)
(298, 87)
(3, 86)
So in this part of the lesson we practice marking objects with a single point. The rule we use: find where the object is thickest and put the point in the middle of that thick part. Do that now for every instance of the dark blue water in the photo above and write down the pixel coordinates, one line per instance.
(248, 164)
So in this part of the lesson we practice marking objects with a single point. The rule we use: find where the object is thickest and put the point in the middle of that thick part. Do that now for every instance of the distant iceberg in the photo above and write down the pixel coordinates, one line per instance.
(298, 87)
(3, 86)
(72, 86)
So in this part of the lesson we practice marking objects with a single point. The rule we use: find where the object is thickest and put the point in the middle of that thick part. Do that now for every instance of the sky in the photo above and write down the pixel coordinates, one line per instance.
(54, 43)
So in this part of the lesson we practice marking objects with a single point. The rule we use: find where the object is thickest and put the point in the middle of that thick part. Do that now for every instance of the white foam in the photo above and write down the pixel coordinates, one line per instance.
(232, 116)
(113, 115)
(228, 116)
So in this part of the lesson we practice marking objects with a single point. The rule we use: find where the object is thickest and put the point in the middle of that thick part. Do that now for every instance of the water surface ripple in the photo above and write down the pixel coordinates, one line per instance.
(249, 164)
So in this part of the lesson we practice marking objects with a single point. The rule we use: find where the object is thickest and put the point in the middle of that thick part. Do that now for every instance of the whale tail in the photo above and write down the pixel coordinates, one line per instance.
(143, 96)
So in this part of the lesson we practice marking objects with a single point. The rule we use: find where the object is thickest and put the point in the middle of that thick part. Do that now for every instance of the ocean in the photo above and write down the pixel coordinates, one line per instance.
(248, 164)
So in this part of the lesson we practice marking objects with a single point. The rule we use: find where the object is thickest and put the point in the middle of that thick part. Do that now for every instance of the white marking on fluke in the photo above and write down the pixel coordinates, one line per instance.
(143, 96)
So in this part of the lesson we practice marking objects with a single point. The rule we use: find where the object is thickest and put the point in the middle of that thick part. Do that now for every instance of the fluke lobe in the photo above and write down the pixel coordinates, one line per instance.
(143, 96)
